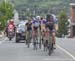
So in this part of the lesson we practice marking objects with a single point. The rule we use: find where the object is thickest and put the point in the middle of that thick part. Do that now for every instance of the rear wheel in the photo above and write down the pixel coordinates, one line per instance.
(45, 45)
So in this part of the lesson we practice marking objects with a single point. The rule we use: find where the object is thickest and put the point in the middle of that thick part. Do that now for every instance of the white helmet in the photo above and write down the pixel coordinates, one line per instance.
(11, 20)
(37, 17)
(54, 17)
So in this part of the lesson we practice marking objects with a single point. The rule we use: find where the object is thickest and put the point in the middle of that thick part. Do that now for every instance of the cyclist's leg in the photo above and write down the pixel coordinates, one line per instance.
(44, 40)
(27, 37)
(53, 39)
(42, 34)
(34, 37)
(46, 37)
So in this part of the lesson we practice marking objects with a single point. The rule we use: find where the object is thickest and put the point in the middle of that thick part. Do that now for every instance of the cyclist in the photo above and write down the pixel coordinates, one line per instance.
(28, 24)
(42, 27)
(35, 29)
(51, 22)
(28, 30)
(36, 23)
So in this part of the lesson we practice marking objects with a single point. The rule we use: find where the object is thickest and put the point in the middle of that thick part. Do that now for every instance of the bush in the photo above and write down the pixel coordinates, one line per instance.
(62, 24)
(6, 12)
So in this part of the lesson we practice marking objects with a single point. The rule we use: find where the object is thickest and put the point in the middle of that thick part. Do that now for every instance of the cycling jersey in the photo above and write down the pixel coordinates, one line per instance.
(50, 24)
(36, 24)
(43, 24)
(29, 26)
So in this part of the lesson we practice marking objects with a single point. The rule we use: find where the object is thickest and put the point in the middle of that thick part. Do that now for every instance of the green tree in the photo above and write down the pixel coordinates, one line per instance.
(6, 13)
(63, 24)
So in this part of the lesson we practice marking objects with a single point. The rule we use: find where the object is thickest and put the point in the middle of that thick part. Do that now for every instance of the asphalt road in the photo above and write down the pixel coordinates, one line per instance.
(11, 51)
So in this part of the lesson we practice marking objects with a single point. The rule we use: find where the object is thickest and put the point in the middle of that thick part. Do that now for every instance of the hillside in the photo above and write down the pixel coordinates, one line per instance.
(42, 6)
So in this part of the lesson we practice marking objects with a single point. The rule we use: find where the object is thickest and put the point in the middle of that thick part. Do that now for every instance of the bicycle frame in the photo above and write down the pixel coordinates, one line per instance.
(48, 41)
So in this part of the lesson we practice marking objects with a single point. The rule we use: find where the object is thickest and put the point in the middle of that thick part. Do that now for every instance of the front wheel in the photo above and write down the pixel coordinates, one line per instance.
(50, 48)
(17, 40)
(40, 44)
(50, 51)
(28, 43)
(35, 44)
(10, 38)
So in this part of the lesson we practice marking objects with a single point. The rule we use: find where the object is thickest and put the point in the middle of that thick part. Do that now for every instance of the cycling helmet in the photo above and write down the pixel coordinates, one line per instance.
(37, 17)
(49, 17)
(11, 21)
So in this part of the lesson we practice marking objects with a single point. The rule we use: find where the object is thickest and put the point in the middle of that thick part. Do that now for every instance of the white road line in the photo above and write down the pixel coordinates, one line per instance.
(58, 59)
(66, 52)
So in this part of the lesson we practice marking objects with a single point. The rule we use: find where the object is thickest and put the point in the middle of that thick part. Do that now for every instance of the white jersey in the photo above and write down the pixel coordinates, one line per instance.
(36, 23)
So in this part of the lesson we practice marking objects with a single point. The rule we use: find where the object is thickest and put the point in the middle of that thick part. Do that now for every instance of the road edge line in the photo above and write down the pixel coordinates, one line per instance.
(64, 50)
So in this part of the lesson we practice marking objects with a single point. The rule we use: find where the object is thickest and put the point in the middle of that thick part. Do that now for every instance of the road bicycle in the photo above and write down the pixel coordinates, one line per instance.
(48, 44)
(35, 39)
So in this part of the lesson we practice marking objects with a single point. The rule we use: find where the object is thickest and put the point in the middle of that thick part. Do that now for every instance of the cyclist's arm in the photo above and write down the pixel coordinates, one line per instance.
(56, 25)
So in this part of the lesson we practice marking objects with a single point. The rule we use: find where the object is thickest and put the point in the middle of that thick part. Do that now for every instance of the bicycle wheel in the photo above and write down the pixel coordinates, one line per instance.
(35, 43)
(28, 43)
(45, 45)
(40, 41)
(50, 46)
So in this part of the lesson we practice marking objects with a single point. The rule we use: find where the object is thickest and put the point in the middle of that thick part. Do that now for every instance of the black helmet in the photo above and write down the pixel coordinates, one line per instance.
(48, 16)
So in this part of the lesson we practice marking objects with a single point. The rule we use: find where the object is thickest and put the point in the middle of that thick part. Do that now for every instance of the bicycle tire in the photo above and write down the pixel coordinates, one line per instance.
(34, 44)
(50, 45)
